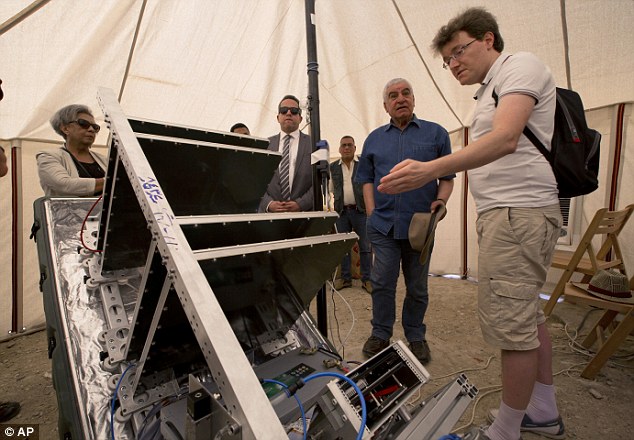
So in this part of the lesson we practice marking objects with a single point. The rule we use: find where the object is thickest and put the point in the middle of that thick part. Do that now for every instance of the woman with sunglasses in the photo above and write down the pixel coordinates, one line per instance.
(72, 170)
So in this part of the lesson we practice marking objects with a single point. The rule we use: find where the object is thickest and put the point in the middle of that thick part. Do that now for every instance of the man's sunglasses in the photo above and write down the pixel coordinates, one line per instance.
(294, 110)
(86, 125)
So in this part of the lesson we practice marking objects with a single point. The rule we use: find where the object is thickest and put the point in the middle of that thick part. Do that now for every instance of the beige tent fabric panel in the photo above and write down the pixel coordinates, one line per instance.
(424, 23)
(11, 8)
(212, 63)
(600, 35)
(172, 70)
(368, 51)
(71, 51)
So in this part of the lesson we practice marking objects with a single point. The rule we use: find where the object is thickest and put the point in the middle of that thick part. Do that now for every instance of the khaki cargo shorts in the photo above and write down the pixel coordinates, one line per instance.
(516, 248)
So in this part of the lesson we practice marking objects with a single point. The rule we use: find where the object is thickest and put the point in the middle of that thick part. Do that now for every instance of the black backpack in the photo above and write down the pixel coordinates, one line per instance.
(574, 149)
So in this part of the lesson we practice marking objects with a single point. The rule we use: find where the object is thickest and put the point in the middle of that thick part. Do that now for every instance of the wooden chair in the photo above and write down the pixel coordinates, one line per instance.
(584, 259)
(608, 332)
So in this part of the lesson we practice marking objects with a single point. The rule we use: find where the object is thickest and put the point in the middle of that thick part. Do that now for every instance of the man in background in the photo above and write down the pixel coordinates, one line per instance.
(291, 188)
(240, 128)
(349, 204)
(389, 217)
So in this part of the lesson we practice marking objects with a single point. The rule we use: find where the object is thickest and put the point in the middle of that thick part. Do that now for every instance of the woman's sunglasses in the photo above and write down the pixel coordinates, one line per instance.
(86, 125)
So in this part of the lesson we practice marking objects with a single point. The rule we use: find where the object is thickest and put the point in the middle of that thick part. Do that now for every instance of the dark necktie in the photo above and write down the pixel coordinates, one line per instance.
(284, 168)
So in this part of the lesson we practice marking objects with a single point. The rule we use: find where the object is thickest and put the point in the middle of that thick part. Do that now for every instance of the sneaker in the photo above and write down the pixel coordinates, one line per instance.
(373, 345)
(367, 286)
(342, 284)
(554, 429)
(420, 349)
(477, 433)
(8, 410)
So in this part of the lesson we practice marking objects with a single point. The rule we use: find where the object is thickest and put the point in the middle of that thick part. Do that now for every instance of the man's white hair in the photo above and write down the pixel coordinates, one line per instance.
(391, 82)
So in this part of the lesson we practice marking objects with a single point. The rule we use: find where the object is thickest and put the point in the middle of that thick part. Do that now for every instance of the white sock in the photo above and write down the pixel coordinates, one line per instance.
(507, 424)
(543, 405)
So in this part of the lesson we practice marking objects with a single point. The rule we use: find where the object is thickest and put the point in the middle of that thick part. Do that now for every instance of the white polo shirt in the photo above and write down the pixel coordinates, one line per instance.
(524, 178)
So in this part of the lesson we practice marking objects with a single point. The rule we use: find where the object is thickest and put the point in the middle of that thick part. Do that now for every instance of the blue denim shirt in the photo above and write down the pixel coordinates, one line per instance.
(385, 147)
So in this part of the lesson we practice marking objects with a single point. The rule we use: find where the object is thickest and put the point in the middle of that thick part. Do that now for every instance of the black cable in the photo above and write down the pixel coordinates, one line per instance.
(330, 353)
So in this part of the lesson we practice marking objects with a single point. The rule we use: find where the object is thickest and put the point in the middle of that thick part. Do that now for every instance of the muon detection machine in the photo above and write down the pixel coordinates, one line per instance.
(175, 311)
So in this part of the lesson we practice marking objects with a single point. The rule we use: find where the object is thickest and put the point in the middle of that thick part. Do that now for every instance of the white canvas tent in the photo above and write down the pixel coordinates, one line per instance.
(211, 63)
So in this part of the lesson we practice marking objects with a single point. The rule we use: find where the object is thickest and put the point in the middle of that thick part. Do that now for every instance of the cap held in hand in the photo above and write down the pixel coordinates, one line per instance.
(422, 229)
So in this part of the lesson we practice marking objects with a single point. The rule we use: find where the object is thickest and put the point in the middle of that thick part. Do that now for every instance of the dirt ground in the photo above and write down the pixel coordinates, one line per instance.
(597, 409)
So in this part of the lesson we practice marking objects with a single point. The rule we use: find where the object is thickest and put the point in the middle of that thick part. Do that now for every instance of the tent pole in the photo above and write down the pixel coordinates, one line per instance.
(22, 15)
(564, 30)
(618, 156)
(132, 47)
(315, 136)
(17, 245)
(465, 210)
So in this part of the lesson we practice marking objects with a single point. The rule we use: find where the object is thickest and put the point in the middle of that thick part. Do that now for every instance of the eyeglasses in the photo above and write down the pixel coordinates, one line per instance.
(294, 110)
(456, 55)
(86, 124)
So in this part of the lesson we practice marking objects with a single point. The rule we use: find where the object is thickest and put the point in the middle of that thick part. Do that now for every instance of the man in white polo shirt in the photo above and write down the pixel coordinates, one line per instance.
(518, 213)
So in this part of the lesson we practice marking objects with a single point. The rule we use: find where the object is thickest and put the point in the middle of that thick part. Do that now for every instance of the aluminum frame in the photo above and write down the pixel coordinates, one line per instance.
(230, 369)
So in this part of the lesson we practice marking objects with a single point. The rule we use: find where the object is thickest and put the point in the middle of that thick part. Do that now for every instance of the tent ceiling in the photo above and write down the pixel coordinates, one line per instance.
(211, 63)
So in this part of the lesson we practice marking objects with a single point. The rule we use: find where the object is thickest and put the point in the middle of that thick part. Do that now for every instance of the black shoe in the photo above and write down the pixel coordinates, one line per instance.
(367, 286)
(420, 349)
(373, 345)
(8, 410)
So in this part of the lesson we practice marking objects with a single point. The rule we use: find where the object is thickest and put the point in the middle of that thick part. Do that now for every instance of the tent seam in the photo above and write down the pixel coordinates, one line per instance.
(420, 56)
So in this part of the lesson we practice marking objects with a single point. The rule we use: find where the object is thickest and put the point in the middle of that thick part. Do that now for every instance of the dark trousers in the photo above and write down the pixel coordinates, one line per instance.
(350, 220)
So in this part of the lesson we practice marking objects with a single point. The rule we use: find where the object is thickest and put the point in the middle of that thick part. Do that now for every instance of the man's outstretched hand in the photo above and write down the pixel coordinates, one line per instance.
(406, 176)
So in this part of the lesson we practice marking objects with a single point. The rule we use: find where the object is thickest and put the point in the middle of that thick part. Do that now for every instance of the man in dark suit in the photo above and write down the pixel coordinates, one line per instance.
(291, 188)
(349, 204)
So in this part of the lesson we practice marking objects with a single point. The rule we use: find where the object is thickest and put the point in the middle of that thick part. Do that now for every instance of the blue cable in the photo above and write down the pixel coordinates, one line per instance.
(114, 399)
(356, 388)
(299, 402)
(450, 437)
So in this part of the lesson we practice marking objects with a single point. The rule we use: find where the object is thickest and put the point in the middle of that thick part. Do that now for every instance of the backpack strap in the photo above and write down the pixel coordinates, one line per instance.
(528, 133)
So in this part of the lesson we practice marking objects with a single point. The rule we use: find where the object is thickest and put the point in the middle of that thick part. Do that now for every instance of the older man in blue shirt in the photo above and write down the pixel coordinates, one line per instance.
(389, 216)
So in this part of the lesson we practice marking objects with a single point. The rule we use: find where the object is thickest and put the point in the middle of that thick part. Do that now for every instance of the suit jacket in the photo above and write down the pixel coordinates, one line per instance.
(336, 174)
(59, 176)
(302, 189)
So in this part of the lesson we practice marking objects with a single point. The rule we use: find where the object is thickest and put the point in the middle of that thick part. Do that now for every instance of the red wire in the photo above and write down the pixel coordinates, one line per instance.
(83, 225)
(386, 391)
